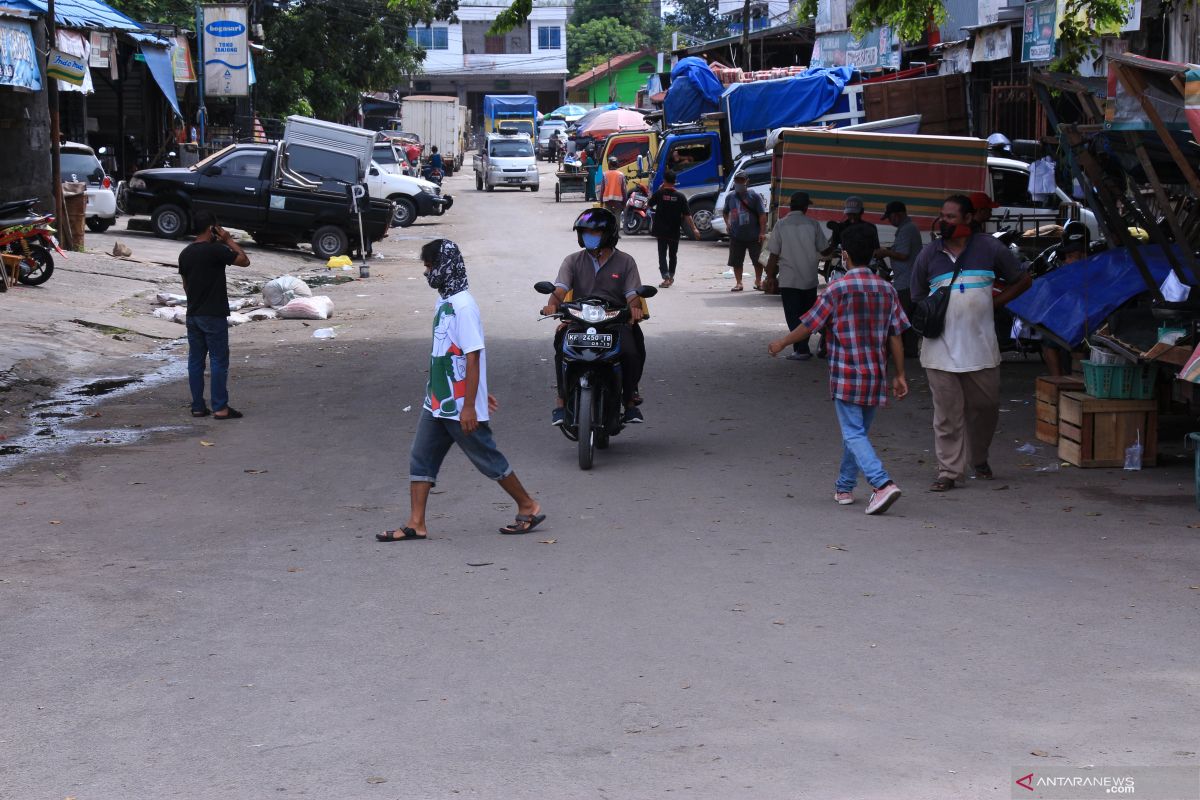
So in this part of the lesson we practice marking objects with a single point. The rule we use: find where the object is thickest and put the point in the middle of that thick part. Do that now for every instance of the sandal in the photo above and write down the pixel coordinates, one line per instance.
(406, 535)
(737, 288)
(203, 413)
(524, 524)
(942, 485)
(230, 413)
(984, 472)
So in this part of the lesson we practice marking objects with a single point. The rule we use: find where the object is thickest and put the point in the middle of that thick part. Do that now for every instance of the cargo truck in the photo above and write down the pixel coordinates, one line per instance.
(438, 120)
(516, 112)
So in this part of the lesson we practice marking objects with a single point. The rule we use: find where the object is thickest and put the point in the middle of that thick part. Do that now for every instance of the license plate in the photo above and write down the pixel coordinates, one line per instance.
(596, 340)
(514, 180)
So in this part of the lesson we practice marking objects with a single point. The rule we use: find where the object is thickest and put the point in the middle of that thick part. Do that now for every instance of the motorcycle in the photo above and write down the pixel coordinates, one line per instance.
(591, 349)
(638, 215)
(25, 232)
(433, 174)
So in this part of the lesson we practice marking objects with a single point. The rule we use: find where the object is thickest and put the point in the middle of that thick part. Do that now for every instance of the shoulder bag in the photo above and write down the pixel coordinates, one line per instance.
(928, 317)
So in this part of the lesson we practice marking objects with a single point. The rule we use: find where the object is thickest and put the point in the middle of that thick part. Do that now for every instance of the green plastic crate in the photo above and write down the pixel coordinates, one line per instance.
(1120, 381)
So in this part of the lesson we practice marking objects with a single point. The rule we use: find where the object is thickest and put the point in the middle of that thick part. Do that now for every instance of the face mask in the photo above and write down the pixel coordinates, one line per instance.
(947, 229)
(591, 241)
(740, 188)
(429, 279)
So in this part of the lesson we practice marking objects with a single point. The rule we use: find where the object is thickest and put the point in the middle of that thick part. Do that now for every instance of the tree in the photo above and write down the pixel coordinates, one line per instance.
(698, 19)
(180, 13)
(323, 54)
(594, 42)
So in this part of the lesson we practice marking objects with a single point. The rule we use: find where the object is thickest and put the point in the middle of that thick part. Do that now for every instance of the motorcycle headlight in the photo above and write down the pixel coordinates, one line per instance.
(592, 314)
(136, 183)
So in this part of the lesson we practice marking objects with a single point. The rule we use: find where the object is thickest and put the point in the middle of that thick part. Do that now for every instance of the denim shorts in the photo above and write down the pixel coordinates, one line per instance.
(434, 439)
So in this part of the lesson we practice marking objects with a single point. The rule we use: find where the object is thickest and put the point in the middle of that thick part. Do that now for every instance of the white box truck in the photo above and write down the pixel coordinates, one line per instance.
(438, 121)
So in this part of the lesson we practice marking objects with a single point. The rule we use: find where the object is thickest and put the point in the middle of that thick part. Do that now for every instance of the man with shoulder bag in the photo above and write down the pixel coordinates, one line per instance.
(746, 221)
(953, 306)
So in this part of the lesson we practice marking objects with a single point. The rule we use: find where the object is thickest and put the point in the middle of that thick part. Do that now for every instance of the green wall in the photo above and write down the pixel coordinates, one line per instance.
(627, 83)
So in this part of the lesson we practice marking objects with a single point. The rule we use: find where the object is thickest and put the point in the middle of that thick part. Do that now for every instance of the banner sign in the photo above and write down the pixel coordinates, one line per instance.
(181, 60)
(65, 67)
(74, 45)
(18, 57)
(226, 51)
(989, 11)
(878, 49)
(1038, 42)
(992, 44)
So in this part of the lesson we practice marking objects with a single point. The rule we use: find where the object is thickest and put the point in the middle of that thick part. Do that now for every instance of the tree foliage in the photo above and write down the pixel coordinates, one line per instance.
(697, 18)
(1082, 21)
(324, 53)
(595, 41)
(181, 13)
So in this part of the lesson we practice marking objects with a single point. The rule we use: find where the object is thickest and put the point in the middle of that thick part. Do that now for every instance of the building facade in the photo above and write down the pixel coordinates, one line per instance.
(617, 80)
(461, 59)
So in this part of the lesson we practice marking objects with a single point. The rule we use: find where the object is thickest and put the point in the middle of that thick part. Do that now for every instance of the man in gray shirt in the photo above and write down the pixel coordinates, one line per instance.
(903, 254)
(795, 246)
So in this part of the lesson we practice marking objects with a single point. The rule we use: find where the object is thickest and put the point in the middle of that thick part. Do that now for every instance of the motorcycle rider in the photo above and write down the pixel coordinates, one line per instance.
(599, 269)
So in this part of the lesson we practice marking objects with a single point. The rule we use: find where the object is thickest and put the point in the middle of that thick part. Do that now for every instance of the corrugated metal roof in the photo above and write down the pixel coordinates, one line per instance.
(91, 14)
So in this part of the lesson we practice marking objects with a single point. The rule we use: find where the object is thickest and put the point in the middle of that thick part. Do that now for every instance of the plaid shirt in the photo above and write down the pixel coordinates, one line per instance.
(861, 311)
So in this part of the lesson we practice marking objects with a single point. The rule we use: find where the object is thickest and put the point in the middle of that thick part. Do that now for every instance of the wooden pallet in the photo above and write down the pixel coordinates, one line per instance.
(1094, 432)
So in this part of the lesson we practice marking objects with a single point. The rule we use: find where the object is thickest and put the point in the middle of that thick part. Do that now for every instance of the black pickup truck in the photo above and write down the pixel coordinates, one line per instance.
(243, 188)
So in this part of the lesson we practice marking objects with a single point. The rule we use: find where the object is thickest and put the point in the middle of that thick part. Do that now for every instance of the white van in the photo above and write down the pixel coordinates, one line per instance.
(506, 160)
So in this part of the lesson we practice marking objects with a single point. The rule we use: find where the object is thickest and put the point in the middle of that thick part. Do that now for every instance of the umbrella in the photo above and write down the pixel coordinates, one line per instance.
(619, 119)
(569, 112)
(593, 113)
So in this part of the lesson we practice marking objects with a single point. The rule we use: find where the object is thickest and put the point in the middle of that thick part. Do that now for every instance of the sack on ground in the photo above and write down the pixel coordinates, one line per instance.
(283, 290)
(172, 314)
(260, 314)
(171, 299)
(238, 303)
(237, 318)
(320, 307)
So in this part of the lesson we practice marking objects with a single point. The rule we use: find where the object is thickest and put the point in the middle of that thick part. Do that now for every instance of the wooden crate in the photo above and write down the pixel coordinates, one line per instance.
(1094, 432)
(1049, 387)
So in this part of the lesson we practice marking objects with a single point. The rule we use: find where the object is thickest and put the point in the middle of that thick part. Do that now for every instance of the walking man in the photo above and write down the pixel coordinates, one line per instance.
(795, 246)
(670, 212)
(202, 267)
(963, 364)
(746, 221)
(862, 314)
(902, 253)
(457, 403)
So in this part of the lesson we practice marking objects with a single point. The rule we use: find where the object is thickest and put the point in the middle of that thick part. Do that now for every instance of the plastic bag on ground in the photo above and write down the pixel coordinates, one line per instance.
(172, 314)
(259, 314)
(237, 318)
(238, 303)
(171, 299)
(283, 290)
(320, 307)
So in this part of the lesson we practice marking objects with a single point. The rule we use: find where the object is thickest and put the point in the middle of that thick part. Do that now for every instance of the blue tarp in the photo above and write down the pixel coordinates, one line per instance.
(763, 105)
(509, 105)
(694, 90)
(158, 61)
(1074, 300)
(88, 14)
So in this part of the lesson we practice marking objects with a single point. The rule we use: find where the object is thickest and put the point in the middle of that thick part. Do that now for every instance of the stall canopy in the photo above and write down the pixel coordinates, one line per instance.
(157, 52)
(89, 14)
(18, 56)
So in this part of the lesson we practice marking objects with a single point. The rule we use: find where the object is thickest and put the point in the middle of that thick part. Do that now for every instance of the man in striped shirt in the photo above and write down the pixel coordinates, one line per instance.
(963, 364)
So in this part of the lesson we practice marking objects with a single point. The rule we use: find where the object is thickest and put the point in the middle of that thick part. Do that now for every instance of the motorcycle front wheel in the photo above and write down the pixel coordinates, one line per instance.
(632, 224)
(37, 267)
(584, 413)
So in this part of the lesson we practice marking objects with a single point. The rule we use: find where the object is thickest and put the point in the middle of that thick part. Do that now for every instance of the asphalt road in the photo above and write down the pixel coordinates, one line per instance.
(204, 612)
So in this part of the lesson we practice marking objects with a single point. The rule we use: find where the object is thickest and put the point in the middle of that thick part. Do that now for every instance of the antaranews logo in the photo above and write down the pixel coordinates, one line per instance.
(1026, 781)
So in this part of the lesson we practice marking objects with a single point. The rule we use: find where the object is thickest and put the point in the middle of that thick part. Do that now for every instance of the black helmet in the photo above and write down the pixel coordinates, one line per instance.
(597, 219)
(1074, 238)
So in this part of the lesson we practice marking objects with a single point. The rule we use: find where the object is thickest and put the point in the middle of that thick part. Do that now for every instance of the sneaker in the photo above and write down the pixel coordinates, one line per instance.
(558, 416)
(843, 498)
(633, 416)
(883, 498)
(799, 356)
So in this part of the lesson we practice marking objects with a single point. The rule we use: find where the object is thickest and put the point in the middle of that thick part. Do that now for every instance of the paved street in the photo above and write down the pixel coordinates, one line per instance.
(203, 612)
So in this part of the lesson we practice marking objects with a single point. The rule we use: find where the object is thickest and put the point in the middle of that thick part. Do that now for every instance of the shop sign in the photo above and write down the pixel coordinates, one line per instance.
(1037, 41)
(226, 51)
(878, 49)
(992, 44)
(65, 67)
(18, 58)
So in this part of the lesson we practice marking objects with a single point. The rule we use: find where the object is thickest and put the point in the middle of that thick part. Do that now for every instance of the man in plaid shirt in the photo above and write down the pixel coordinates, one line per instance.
(862, 319)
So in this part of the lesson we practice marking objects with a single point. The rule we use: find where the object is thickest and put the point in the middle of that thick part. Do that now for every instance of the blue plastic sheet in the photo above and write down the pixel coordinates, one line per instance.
(763, 105)
(694, 90)
(1074, 300)
(158, 60)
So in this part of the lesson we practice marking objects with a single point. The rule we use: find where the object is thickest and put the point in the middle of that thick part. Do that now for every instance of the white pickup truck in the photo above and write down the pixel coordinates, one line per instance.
(413, 197)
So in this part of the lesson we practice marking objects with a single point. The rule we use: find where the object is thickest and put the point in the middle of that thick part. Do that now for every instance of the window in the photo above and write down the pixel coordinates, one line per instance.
(549, 38)
(385, 155)
(1011, 188)
(627, 152)
(80, 167)
(686, 155)
(430, 38)
(511, 149)
(759, 173)
(243, 165)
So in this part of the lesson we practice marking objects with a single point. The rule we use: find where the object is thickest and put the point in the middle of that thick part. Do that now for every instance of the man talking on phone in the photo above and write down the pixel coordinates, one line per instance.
(202, 266)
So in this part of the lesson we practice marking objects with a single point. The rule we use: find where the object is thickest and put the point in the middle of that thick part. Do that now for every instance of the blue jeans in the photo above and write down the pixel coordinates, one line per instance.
(857, 454)
(434, 439)
(208, 337)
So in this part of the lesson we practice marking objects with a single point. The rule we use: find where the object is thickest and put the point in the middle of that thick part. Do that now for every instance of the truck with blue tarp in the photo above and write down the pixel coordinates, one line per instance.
(516, 112)
(709, 126)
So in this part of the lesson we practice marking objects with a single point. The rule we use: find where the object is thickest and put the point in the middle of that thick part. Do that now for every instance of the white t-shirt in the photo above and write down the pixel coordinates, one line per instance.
(457, 330)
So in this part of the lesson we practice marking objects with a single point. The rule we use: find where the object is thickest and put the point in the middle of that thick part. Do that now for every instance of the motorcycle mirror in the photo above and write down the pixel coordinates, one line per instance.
(103, 151)
(544, 287)
(647, 291)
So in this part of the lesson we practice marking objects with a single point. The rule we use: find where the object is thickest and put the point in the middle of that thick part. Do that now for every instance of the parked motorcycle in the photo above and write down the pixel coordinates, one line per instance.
(638, 215)
(27, 233)
(591, 350)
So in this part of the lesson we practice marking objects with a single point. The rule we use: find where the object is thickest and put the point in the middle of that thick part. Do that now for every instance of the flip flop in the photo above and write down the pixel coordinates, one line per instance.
(231, 413)
(203, 413)
(736, 289)
(408, 534)
(524, 524)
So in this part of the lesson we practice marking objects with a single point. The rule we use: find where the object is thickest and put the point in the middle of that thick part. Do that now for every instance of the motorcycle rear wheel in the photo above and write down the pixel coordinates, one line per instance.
(585, 411)
(37, 267)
